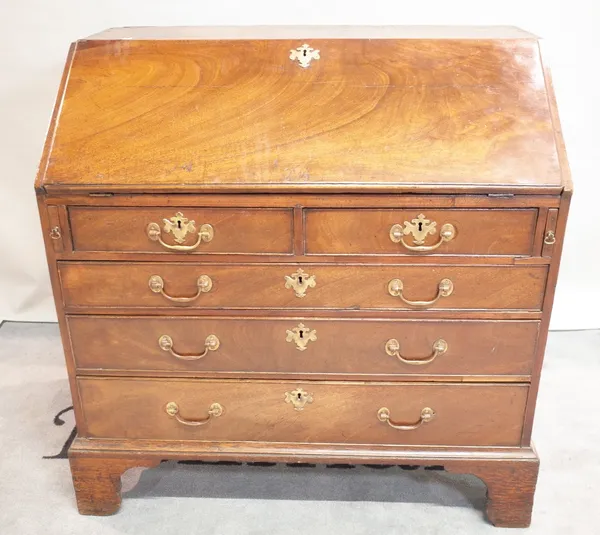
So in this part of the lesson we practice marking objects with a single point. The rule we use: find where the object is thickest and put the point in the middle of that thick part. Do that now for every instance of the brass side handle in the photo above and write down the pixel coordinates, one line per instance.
(212, 343)
(214, 411)
(550, 238)
(180, 227)
(392, 348)
(55, 233)
(427, 415)
(419, 228)
(157, 285)
(396, 289)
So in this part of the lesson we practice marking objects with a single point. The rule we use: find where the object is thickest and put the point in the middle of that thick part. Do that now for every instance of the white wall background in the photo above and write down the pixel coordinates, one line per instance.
(35, 36)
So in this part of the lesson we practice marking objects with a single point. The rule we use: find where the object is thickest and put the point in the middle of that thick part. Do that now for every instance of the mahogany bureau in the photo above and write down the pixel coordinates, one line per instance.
(298, 244)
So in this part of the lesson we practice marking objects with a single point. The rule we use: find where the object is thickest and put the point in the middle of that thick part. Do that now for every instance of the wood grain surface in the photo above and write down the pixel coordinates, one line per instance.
(466, 414)
(238, 114)
(482, 232)
(258, 346)
(346, 287)
(235, 230)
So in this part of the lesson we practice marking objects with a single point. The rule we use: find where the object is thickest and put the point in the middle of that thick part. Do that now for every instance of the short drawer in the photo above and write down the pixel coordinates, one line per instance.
(492, 232)
(302, 346)
(285, 286)
(182, 231)
(313, 412)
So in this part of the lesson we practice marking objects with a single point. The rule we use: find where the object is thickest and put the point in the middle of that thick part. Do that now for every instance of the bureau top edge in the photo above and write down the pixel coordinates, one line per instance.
(309, 32)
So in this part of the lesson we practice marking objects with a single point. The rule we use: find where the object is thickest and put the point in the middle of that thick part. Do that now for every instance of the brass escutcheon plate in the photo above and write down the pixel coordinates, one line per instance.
(304, 55)
(300, 336)
(298, 398)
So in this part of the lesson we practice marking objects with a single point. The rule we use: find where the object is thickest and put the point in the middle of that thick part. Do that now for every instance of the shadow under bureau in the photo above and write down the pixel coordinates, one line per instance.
(319, 244)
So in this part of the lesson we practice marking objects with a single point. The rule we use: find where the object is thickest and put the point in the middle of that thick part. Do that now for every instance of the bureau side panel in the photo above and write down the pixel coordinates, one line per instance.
(54, 234)
(547, 311)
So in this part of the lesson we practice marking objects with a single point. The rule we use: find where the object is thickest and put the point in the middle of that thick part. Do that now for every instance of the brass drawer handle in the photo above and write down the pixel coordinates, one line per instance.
(392, 348)
(157, 285)
(396, 288)
(180, 227)
(214, 411)
(420, 228)
(427, 415)
(212, 343)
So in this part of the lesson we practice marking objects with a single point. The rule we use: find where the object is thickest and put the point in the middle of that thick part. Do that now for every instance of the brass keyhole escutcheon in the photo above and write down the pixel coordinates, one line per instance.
(304, 55)
(300, 281)
(298, 398)
(301, 336)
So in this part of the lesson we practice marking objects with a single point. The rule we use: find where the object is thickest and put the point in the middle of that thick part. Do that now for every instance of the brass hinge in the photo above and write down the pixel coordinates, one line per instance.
(501, 195)
(101, 194)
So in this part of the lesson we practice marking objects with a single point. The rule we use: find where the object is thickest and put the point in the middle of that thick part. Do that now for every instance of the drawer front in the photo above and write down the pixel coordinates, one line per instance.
(466, 415)
(303, 346)
(401, 232)
(155, 285)
(194, 231)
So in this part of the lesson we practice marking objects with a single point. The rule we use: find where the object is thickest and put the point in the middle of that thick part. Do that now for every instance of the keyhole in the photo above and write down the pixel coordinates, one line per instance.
(304, 53)
(301, 333)
(300, 279)
(299, 395)
(179, 224)
(420, 226)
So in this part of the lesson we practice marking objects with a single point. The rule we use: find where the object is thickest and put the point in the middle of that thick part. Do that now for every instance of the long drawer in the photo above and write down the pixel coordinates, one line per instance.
(290, 286)
(410, 231)
(305, 346)
(314, 412)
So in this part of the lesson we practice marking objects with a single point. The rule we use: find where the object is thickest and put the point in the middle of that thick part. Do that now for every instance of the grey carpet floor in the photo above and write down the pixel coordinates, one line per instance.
(36, 495)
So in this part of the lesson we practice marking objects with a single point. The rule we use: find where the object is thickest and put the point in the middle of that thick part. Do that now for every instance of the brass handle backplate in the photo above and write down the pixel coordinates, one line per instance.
(212, 343)
(392, 348)
(419, 228)
(396, 289)
(180, 227)
(214, 411)
(300, 281)
(157, 285)
(427, 415)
